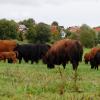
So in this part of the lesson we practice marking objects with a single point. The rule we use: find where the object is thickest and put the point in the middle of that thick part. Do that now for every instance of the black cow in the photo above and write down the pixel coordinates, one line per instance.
(33, 52)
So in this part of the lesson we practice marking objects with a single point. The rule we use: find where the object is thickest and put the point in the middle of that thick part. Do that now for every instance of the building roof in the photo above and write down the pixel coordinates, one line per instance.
(74, 29)
(97, 29)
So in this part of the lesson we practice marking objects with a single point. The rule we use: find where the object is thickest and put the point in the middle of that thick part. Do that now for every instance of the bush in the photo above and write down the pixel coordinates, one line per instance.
(8, 29)
(87, 36)
(74, 36)
(39, 33)
(31, 34)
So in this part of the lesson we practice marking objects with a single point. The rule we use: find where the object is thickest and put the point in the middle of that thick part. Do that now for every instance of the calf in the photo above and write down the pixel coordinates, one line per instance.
(8, 55)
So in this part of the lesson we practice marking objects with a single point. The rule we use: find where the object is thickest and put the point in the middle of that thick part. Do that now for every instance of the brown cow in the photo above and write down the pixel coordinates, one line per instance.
(7, 45)
(63, 51)
(8, 55)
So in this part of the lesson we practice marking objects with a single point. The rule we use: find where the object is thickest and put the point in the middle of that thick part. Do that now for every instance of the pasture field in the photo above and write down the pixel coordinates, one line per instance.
(36, 82)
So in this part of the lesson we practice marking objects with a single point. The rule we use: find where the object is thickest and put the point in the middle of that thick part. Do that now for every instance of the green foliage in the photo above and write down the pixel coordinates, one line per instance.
(31, 34)
(28, 22)
(68, 33)
(8, 29)
(98, 38)
(43, 33)
(55, 38)
(87, 36)
(39, 33)
(74, 36)
(55, 23)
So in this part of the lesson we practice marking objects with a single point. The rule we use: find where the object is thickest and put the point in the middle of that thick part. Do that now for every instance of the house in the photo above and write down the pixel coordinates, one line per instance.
(97, 30)
(22, 28)
(62, 32)
(74, 29)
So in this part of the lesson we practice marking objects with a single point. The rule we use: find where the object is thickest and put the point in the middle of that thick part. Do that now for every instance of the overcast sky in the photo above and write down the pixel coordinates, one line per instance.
(65, 12)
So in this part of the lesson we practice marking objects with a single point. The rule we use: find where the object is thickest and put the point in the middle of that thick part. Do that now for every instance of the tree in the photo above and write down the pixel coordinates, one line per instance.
(98, 38)
(31, 35)
(87, 36)
(68, 33)
(55, 28)
(43, 33)
(39, 34)
(54, 23)
(74, 36)
(8, 29)
(28, 22)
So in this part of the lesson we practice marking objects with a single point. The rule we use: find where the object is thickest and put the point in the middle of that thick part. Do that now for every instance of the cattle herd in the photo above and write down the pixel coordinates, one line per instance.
(59, 53)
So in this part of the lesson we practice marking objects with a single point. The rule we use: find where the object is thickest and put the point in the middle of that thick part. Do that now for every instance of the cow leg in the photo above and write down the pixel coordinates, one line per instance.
(14, 59)
(50, 66)
(96, 67)
(75, 65)
(4, 60)
(32, 61)
(20, 59)
(92, 66)
(26, 60)
(92, 63)
(64, 65)
(10, 60)
(86, 62)
(37, 61)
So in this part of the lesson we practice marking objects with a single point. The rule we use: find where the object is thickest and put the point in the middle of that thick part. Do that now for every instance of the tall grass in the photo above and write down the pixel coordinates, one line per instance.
(36, 82)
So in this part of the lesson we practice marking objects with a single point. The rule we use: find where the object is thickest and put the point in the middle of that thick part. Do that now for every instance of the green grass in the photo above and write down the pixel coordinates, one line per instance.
(36, 82)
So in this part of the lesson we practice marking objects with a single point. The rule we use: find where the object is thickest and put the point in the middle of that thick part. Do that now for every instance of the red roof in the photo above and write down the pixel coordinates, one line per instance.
(97, 29)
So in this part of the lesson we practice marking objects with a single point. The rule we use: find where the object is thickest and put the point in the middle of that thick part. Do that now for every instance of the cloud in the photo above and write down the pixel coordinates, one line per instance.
(42, 2)
(66, 12)
(21, 2)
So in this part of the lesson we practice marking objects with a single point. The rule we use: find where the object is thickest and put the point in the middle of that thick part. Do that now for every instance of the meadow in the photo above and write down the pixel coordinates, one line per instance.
(37, 82)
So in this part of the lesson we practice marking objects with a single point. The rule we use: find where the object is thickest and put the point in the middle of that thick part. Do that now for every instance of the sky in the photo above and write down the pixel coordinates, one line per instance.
(66, 12)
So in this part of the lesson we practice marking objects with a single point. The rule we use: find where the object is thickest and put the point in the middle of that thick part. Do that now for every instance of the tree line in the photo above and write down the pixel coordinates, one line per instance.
(43, 33)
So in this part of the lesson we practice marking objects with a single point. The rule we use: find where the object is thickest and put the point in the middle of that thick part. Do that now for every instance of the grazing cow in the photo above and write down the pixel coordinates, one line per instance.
(63, 51)
(33, 52)
(8, 55)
